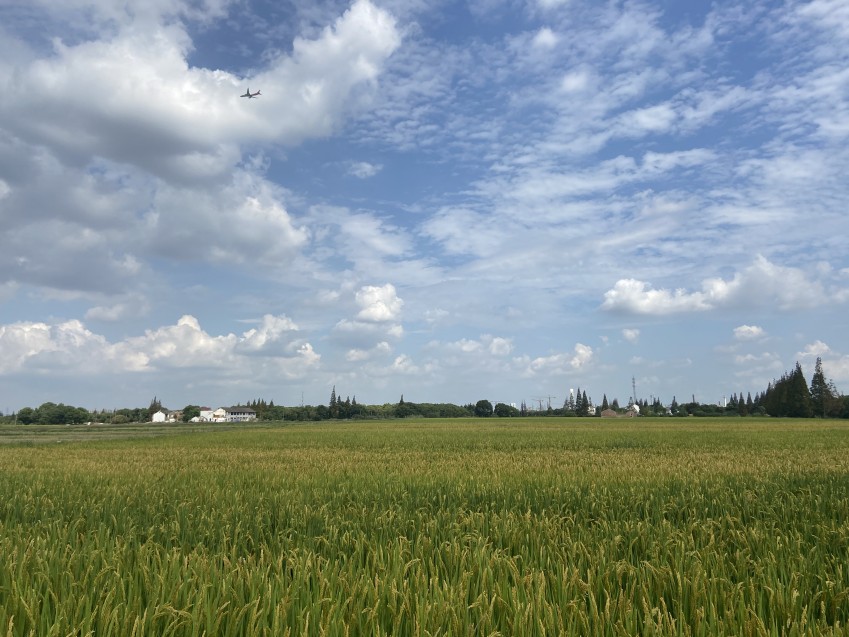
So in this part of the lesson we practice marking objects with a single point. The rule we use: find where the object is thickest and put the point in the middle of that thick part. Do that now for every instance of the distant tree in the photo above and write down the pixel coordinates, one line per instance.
(503, 410)
(615, 404)
(800, 395)
(155, 405)
(674, 406)
(825, 400)
(742, 407)
(190, 411)
(334, 404)
(604, 403)
(583, 404)
(483, 409)
(404, 409)
(819, 388)
(788, 396)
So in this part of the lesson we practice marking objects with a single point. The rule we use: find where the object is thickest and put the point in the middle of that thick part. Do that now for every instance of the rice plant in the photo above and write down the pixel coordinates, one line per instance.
(519, 527)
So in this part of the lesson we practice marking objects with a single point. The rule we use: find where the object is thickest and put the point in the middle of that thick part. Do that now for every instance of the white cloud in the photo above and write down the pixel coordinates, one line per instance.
(757, 370)
(379, 304)
(545, 38)
(161, 113)
(576, 81)
(559, 364)
(34, 347)
(835, 365)
(634, 296)
(42, 347)
(550, 4)
(358, 355)
(812, 350)
(837, 370)
(748, 332)
(133, 305)
(240, 221)
(271, 330)
(403, 364)
(500, 346)
(631, 335)
(465, 231)
(761, 284)
(154, 165)
(496, 346)
(650, 119)
(364, 170)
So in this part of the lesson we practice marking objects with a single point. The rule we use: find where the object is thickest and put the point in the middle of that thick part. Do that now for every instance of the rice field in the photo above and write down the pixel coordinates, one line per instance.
(429, 527)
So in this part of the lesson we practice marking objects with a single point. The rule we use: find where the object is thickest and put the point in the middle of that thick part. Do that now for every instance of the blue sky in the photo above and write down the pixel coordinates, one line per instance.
(501, 199)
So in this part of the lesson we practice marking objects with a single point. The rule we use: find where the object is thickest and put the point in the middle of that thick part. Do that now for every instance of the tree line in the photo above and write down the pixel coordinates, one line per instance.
(789, 396)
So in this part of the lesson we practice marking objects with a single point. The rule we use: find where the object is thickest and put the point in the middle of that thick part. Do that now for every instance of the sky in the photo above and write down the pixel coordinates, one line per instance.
(450, 201)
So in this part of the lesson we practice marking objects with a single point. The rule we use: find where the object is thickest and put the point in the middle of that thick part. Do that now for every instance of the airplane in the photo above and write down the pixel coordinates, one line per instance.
(250, 95)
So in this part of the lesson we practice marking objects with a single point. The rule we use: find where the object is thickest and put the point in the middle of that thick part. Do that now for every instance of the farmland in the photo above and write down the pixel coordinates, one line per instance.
(428, 527)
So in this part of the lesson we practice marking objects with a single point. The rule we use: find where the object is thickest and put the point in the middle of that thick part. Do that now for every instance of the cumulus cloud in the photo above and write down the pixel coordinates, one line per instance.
(43, 347)
(158, 110)
(545, 38)
(272, 330)
(631, 335)
(235, 222)
(403, 364)
(379, 304)
(837, 369)
(364, 170)
(132, 305)
(33, 347)
(835, 365)
(500, 346)
(155, 164)
(560, 364)
(812, 350)
(748, 332)
(761, 284)
(358, 355)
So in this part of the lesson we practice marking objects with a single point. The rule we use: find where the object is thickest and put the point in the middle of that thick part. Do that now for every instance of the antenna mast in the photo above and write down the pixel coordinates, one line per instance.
(634, 389)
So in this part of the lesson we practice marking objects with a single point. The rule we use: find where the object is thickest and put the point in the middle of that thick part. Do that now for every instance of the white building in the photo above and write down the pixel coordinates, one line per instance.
(227, 414)
(239, 414)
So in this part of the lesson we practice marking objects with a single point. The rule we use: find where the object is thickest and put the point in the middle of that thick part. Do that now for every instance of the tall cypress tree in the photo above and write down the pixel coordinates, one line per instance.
(334, 404)
(819, 391)
(799, 394)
